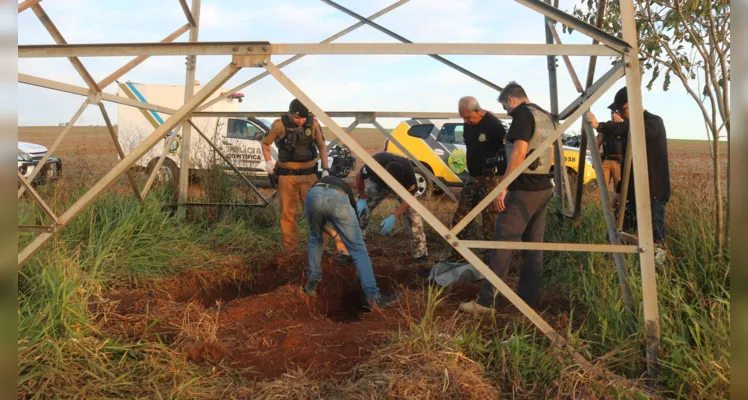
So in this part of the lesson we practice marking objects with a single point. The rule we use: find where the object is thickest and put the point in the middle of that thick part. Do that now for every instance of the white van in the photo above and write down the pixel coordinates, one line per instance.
(238, 138)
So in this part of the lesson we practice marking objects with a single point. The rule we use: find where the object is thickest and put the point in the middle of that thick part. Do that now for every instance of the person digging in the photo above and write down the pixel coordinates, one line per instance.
(330, 201)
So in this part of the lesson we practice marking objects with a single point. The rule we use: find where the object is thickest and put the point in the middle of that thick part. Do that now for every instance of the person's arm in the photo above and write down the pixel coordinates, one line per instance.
(321, 146)
(360, 184)
(275, 129)
(599, 139)
(400, 210)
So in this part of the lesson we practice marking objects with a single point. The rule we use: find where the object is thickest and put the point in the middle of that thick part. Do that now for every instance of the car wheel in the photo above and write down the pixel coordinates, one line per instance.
(168, 173)
(423, 184)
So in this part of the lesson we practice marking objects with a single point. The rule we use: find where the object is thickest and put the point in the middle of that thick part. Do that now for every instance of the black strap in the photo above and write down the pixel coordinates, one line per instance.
(306, 171)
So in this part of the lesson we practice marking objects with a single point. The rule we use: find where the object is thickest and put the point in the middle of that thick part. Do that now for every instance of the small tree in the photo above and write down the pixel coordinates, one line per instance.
(688, 39)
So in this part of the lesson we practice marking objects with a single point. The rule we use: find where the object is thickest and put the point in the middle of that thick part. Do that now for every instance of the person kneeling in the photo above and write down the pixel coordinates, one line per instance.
(330, 200)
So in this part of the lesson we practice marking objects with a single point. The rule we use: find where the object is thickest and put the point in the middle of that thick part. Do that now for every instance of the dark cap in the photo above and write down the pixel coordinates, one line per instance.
(298, 109)
(622, 97)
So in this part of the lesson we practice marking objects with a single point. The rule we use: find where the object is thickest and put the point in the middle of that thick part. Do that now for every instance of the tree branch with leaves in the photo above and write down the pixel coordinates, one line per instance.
(688, 39)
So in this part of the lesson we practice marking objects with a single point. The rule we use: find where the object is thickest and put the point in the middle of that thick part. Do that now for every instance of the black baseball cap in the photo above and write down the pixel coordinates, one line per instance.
(298, 109)
(621, 98)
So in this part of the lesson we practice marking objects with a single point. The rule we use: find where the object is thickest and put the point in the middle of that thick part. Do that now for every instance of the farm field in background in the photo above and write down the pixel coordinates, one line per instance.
(128, 302)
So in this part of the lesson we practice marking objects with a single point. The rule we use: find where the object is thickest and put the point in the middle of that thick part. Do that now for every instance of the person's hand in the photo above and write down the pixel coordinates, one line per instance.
(340, 245)
(325, 173)
(387, 225)
(592, 120)
(362, 205)
(499, 201)
(269, 166)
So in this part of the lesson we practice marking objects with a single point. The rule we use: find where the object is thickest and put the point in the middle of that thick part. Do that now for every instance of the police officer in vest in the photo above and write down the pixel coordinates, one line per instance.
(612, 155)
(522, 207)
(300, 143)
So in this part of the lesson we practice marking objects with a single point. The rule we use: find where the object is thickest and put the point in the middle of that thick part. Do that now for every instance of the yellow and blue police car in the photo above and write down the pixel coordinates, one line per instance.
(439, 146)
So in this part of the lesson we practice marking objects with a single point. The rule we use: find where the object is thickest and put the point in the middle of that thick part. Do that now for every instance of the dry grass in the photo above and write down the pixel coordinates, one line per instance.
(199, 325)
(397, 371)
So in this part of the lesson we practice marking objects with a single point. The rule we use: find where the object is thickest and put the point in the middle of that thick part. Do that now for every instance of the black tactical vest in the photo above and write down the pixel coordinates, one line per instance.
(297, 142)
(613, 146)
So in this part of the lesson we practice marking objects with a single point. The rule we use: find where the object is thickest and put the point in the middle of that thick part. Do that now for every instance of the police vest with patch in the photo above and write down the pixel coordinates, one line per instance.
(297, 143)
(544, 128)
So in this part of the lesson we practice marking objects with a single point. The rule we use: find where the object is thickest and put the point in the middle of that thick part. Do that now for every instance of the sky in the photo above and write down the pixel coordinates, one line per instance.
(335, 82)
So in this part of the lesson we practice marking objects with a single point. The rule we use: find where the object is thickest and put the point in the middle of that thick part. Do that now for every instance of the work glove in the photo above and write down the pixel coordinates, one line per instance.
(387, 225)
(325, 173)
(362, 206)
(269, 166)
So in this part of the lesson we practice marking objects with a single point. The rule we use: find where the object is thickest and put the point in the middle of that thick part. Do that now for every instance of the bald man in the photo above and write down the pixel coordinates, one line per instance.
(484, 144)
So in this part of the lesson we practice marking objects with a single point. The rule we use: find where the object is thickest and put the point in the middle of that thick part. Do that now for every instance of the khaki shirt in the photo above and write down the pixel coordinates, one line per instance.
(277, 130)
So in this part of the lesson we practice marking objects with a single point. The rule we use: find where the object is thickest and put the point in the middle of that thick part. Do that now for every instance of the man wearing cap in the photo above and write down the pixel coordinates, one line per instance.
(330, 201)
(484, 145)
(657, 165)
(522, 207)
(372, 190)
(300, 143)
(612, 154)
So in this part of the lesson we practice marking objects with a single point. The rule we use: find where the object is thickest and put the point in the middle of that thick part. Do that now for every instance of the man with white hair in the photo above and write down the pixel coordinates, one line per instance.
(484, 145)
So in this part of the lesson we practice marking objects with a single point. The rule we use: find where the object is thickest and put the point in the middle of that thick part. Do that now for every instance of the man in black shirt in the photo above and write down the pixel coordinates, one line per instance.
(612, 154)
(484, 144)
(657, 162)
(522, 207)
(374, 190)
(330, 200)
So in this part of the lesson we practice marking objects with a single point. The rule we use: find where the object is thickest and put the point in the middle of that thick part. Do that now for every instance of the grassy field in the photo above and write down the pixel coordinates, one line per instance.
(128, 302)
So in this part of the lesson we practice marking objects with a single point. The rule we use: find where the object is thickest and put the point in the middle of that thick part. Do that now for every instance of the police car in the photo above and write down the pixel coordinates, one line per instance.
(440, 147)
(29, 155)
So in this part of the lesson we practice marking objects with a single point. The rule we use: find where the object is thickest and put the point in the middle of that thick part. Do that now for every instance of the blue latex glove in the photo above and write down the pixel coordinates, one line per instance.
(361, 206)
(387, 225)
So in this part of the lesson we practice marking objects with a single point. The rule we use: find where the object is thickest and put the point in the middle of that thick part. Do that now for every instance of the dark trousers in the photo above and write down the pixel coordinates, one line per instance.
(658, 206)
(523, 219)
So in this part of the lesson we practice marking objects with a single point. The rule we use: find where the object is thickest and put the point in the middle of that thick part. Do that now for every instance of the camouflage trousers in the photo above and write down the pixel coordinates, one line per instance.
(475, 190)
(374, 196)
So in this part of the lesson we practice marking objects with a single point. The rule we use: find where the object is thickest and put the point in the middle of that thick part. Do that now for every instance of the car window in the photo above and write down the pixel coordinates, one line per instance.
(421, 131)
(241, 129)
(452, 134)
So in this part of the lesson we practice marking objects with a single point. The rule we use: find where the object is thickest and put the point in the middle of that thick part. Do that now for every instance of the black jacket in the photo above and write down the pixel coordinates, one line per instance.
(657, 156)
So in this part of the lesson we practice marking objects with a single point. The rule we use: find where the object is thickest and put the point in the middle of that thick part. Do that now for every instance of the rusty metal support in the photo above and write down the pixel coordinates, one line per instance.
(188, 13)
(38, 199)
(119, 169)
(641, 188)
(189, 88)
(300, 56)
(40, 165)
(120, 153)
(583, 139)
(139, 59)
(26, 4)
(60, 40)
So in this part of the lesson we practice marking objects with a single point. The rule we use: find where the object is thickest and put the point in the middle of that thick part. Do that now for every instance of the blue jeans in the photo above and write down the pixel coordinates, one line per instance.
(325, 205)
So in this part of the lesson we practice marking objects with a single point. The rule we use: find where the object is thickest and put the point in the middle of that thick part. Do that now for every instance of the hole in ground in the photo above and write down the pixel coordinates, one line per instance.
(229, 291)
(347, 308)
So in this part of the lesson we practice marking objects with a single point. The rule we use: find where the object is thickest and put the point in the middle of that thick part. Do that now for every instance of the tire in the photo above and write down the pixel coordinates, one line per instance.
(168, 174)
(424, 186)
